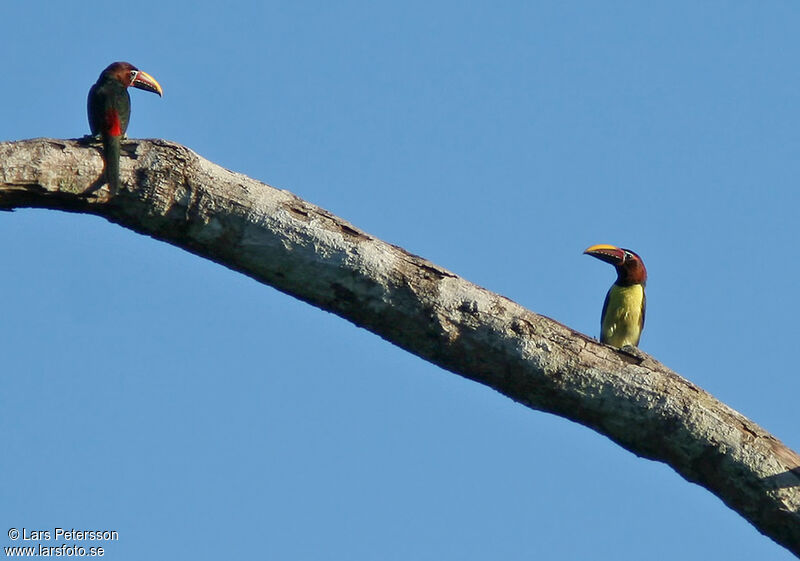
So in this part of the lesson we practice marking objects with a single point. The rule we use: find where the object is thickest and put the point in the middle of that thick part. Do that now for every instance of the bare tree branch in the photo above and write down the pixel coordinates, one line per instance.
(172, 194)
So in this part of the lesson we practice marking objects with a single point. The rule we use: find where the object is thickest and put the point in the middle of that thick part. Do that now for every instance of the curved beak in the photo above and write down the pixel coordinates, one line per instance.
(608, 253)
(144, 81)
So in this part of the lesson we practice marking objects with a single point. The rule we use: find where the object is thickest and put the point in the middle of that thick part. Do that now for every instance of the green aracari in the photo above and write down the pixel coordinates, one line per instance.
(109, 108)
(622, 320)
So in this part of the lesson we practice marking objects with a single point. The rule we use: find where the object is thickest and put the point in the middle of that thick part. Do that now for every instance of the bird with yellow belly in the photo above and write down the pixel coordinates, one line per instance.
(622, 319)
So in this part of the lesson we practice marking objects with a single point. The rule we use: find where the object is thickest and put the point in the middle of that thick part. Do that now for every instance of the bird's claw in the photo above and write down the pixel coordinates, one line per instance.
(633, 351)
(89, 139)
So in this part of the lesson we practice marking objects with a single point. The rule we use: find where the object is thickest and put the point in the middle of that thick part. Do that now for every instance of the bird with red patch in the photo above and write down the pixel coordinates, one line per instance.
(109, 108)
(622, 319)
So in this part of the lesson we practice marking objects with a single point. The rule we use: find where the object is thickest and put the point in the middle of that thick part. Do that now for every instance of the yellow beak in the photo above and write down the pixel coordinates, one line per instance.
(144, 81)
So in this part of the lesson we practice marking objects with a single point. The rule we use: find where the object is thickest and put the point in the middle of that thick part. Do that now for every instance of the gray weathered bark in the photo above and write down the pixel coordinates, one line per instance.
(174, 195)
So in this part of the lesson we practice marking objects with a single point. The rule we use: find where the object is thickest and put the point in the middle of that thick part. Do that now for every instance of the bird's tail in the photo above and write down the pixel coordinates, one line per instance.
(111, 149)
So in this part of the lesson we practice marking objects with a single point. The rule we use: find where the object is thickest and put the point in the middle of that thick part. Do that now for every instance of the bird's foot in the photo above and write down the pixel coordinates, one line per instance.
(633, 351)
(89, 139)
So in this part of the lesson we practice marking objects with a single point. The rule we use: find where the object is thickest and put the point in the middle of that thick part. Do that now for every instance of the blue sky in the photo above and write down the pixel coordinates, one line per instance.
(203, 415)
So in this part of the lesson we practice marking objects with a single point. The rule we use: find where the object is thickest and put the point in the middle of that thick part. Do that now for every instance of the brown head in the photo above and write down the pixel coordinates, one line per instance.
(630, 267)
(130, 76)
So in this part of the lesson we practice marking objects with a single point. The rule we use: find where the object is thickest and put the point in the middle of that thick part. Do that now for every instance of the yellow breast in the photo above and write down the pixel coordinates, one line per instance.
(622, 321)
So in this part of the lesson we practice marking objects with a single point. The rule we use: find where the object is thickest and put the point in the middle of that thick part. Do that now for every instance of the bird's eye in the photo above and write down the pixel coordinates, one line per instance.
(133, 75)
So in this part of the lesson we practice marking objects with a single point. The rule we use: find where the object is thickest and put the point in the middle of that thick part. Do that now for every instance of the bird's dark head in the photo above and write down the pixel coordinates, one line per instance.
(130, 76)
(630, 267)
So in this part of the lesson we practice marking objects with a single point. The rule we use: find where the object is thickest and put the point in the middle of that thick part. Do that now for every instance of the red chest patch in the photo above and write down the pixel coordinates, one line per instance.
(113, 125)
